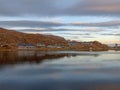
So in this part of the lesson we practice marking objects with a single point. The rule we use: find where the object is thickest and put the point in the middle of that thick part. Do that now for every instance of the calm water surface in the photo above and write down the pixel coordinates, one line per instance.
(30, 70)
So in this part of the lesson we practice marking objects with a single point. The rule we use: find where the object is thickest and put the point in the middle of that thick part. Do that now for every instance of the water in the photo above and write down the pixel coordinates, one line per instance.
(30, 70)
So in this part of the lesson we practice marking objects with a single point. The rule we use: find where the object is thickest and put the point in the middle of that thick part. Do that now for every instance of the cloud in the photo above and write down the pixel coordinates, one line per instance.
(79, 33)
(110, 34)
(37, 30)
(50, 24)
(99, 24)
(60, 7)
(24, 23)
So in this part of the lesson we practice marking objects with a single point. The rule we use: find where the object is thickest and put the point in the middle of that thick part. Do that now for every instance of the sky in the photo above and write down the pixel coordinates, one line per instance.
(81, 20)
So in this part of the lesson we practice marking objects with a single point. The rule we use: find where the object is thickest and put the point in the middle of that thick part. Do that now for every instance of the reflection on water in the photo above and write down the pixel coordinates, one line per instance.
(30, 70)
(27, 56)
(32, 56)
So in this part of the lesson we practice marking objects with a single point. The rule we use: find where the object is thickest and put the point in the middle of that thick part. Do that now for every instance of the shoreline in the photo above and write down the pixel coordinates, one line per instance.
(53, 49)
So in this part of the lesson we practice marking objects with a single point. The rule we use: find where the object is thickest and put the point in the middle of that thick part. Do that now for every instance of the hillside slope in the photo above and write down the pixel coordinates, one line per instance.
(13, 38)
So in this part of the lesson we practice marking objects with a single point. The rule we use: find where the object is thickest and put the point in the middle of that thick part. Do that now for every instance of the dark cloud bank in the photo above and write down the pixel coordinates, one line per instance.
(59, 7)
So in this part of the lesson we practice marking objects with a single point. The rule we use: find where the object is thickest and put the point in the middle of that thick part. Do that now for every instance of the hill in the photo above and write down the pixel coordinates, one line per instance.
(10, 39)
(88, 46)
(13, 38)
